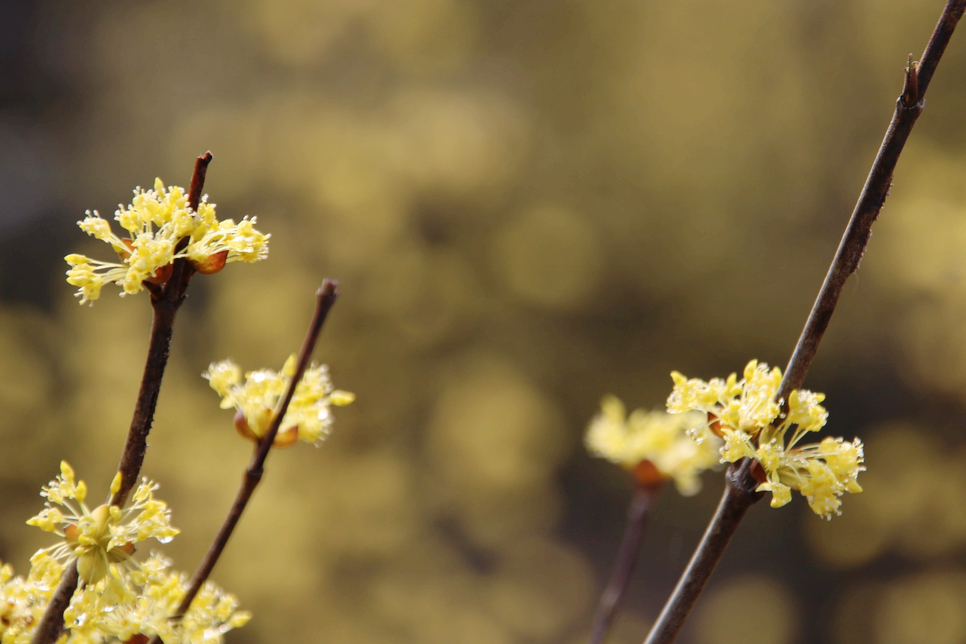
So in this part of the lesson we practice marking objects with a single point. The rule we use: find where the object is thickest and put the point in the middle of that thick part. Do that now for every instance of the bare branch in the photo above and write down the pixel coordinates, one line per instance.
(874, 193)
(325, 298)
(740, 484)
(739, 495)
(166, 303)
(638, 513)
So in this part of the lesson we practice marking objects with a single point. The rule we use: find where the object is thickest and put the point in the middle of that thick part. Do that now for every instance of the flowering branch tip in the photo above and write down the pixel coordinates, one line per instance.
(758, 425)
(163, 225)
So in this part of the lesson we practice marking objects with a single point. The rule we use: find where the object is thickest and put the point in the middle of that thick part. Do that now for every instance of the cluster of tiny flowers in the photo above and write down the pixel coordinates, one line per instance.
(148, 613)
(654, 442)
(102, 540)
(156, 221)
(99, 614)
(119, 599)
(255, 400)
(748, 417)
(23, 600)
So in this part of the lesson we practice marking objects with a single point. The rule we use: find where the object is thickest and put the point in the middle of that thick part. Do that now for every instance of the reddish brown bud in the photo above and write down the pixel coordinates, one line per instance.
(242, 427)
(715, 425)
(286, 437)
(910, 89)
(647, 474)
(71, 532)
(162, 275)
(129, 245)
(758, 472)
(211, 264)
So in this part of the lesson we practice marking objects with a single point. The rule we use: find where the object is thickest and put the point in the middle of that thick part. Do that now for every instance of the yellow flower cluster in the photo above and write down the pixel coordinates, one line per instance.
(119, 600)
(308, 417)
(147, 613)
(157, 221)
(101, 539)
(753, 424)
(655, 438)
(106, 612)
(22, 600)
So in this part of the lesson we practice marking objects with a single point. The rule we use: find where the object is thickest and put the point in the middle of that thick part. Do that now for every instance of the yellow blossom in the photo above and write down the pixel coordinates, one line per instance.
(157, 221)
(101, 540)
(213, 612)
(654, 437)
(23, 600)
(747, 405)
(308, 417)
(753, 424)
(106, 612)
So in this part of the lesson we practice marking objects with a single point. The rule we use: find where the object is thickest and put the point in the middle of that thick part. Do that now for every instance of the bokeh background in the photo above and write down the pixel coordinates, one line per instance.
(529, 204)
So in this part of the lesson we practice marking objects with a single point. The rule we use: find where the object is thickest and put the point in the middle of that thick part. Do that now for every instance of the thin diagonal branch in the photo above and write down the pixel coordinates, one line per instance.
(638, 513)
(740, 484)
(739, 495)
(165, 301)
(873, 195)
(325, 298)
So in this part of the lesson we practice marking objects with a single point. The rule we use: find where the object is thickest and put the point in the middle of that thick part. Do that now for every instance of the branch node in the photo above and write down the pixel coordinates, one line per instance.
(910, 89)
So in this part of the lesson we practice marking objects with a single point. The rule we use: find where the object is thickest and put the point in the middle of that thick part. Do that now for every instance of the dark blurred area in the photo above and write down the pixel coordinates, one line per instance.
(528, 204)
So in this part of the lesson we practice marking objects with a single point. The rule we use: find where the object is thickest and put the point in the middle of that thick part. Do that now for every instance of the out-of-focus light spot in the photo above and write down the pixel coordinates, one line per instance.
(922, 240)
(458, 142)
(926, 608)
(538, 587)
(492, 429)
(748, 609)
(493, 436)
(850, 540)
(423, 36)
(234, 136)
(298, 32)
(548, 256)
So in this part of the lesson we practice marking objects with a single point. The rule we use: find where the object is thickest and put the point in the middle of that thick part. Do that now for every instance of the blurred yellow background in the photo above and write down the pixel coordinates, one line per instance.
(528, 204)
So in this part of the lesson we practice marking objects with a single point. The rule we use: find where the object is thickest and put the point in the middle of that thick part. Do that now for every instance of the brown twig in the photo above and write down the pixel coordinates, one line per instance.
(638, 513)
(197, 184)
(165, 300)
(740, 484)
(739, 495)
(325, 298)
(874, 193)
(166, 303)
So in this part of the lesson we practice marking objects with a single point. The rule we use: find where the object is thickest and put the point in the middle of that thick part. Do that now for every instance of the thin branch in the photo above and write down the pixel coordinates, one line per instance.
(874, 193)
(740, 483)
(325, 298)
(937, 43)
(739, 495)
(638, 513)
(165, 301)
(197, 184)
